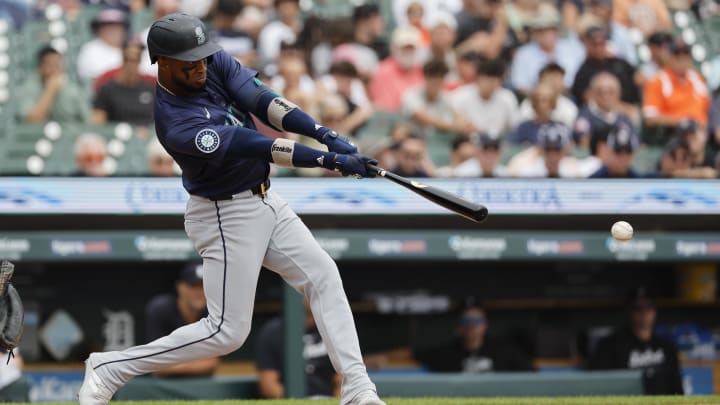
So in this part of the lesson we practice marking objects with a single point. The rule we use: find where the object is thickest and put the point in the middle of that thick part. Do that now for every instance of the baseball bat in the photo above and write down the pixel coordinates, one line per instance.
(470, 210)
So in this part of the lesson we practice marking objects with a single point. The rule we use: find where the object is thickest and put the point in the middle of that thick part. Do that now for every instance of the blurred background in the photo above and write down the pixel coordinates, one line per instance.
(561, 116)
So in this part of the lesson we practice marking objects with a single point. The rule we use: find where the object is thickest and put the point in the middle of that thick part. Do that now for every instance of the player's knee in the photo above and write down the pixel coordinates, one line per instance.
(232, 337)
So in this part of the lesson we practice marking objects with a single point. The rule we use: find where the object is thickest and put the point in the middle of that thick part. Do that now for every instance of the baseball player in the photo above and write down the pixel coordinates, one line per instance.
(237, 224)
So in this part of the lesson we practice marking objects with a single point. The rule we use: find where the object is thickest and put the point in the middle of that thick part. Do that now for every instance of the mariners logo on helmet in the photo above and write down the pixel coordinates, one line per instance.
(207, 140)
(200, 35)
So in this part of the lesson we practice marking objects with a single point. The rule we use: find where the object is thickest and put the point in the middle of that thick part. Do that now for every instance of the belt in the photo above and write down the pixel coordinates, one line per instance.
(260, 189)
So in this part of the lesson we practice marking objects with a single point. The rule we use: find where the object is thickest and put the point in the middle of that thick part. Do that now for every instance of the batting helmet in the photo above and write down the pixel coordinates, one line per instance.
(180, 36)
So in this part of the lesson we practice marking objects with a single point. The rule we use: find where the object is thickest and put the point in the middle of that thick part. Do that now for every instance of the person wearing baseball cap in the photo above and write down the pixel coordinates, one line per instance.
(659, 45)
(166, 312)
(400, 71)
(678, 92)
(637, 346)
(622, 143)
(471, 349)
(105, 51)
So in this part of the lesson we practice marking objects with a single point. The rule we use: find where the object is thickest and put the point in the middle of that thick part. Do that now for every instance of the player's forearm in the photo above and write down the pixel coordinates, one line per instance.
(248, 143)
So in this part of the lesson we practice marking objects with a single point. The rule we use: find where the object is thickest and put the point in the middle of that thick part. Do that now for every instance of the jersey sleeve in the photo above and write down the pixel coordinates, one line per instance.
(234, 76)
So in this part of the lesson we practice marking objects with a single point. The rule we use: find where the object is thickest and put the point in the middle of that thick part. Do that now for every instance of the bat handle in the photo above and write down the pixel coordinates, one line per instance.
(378, 170)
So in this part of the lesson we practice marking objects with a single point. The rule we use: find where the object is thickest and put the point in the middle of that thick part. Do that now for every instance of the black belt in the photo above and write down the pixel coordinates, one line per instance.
(260, 189)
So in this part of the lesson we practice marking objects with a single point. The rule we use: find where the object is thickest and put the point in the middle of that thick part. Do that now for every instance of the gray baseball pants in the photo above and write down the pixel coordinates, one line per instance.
(234, 238)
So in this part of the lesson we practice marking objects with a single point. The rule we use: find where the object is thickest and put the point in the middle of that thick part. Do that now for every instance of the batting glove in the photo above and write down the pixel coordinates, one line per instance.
(354, 165)
(335, 142)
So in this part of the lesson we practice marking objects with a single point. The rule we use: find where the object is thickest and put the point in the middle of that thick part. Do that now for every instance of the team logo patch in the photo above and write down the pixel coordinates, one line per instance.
(199, 35)
(207, 140)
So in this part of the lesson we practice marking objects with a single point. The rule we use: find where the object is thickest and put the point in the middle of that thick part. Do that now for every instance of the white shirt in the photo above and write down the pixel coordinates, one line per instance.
(536, 168)
(495, 116)
(565, 111)
(9, 373)
(472, 168)
(430, 8)
(97, 57)
(358, 95)
(270, 39)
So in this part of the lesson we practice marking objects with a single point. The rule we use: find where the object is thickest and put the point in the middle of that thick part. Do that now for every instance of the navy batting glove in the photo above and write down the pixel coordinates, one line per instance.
(335, 142)
(353, 165)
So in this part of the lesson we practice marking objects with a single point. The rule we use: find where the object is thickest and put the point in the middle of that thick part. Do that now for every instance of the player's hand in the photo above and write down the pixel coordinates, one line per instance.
(335, 142)
(354, 165)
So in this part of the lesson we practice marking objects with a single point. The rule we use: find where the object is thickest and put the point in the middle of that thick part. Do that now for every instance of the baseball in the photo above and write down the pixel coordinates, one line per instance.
(622, 231)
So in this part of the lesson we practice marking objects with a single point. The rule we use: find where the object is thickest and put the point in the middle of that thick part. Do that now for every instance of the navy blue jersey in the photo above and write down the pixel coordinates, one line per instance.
(196, 130)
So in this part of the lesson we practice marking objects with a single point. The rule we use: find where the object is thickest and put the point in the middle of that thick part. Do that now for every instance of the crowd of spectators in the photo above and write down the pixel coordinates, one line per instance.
(491, 88)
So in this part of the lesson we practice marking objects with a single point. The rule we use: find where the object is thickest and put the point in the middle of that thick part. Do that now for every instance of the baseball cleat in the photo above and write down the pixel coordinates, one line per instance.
(368, 397)
(93, 391)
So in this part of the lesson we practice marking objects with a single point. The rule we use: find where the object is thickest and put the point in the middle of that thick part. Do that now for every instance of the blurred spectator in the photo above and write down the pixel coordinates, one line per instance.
(411, 158)
(428, 108)
(294, 82)
(462, 149)
(599, 59)
(13, 387)
(678, 92)
(50, 95)
(321, 381)
(432, 8)
(622, 143)
(126, 97)
(674, 161)
(368, 46)
(284, 29)
(520, 13)
(91, 156)
(167, 312)
(488, 162)
(467, 66)
(549, 157)
(415, 13)
(585, 167)
(544, 47)
(645, 15)
(482, 27)
(544, 101)
(602, 112)
(344, 81)
(160, 163)
(159, 9)
(472, 350)
(198, 8)
(714, 123)
(636, 346)
(599, 13)
(400, 71)
(491, 108)
(443, 30)
(236, 42)
(659, 45)
(701, 158)
(103, 52)
(15, 12)
(565, 109)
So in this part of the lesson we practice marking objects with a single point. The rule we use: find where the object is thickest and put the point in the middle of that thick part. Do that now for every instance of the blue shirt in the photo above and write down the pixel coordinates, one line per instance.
(197, 130)
(602, 173)
(529, 60)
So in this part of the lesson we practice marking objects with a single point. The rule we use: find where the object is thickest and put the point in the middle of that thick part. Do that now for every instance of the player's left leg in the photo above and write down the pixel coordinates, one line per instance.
(295, 255)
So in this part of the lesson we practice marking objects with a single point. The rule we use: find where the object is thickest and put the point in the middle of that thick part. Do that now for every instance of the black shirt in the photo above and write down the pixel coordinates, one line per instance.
(131, 104)
(162, 317)
(657, 358)
(494, 355)
(270, 355)
(620, 68)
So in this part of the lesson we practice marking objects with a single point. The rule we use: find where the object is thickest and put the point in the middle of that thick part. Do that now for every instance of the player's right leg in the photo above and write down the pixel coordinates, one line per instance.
(295, 255)
(232, 237)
